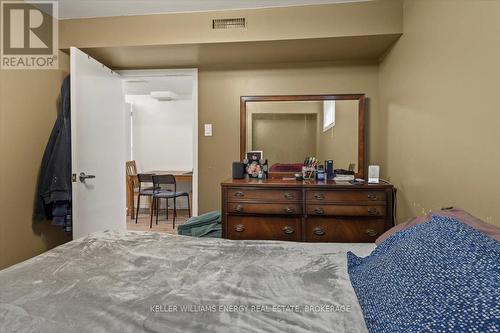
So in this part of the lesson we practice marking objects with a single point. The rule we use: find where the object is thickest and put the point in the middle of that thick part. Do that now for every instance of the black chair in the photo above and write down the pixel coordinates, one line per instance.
(144, 190)
(163, 189)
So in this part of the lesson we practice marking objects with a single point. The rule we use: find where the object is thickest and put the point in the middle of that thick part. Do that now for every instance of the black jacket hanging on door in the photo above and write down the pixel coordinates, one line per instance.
(53, 199)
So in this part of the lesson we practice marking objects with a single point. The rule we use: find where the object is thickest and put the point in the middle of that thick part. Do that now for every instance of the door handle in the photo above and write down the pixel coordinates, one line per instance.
(372, 211)
(239, 194)
(83, 176)
(372, 196)
(238, 208)
(288, 230)
(371, 232)
(289, 210)
(288, 195)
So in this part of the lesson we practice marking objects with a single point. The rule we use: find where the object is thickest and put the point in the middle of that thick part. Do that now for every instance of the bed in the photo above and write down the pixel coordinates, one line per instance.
(141, 281)
(440, 273)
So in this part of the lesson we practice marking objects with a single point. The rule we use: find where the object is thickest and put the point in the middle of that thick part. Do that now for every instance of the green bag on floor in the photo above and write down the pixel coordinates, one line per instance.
(206, 225)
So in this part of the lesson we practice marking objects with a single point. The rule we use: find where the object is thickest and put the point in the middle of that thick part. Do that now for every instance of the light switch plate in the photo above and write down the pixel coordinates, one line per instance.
(208, 129)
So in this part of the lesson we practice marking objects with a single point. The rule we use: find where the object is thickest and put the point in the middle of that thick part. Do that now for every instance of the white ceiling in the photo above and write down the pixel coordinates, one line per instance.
(143, 85)
(69, 9)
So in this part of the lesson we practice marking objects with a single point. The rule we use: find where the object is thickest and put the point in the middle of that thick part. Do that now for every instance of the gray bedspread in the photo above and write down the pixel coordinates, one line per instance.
(135, 281)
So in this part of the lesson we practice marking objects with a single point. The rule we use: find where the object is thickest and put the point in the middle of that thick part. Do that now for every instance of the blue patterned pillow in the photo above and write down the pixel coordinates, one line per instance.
(440, 276)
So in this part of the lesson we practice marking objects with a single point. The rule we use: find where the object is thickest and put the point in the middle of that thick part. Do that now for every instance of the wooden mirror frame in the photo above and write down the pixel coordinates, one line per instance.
(290, 98)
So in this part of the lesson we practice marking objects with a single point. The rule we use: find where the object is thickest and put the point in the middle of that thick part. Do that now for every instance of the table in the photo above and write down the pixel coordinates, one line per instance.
(180, 176)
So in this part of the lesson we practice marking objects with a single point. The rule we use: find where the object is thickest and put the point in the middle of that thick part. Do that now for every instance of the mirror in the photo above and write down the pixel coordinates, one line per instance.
(287, 129)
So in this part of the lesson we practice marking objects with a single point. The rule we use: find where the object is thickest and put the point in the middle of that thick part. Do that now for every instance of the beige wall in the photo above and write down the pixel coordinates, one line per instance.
(340, 143)
(28, 108)
(296, 22)
(344, 31)
(285, 131)
(219, 96)
(285, 138)
(439, 89)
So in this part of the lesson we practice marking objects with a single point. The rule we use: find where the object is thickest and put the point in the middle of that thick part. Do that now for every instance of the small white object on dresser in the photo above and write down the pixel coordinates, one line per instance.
(373, 174)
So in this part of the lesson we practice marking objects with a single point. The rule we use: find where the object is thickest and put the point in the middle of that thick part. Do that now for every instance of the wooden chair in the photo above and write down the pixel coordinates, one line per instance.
(132, 186)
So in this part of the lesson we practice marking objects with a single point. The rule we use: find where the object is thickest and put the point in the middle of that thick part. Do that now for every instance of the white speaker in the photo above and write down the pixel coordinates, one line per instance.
(373, 174)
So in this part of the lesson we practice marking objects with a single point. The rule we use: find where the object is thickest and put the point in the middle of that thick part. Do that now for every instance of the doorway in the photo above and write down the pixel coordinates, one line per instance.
(161, 111)
(102, 136)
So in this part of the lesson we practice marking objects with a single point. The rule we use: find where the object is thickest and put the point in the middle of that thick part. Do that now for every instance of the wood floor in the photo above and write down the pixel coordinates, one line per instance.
(163, 225)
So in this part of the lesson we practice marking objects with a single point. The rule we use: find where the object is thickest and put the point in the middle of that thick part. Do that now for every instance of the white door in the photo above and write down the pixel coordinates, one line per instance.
(98, 139)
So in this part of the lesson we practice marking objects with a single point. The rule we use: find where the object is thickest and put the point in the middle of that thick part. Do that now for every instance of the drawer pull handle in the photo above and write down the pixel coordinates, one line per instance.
(372, 196)
(288, 230)
(238, 208)
(319, 231)
(289, 210)
(288, 195)
(372, 211)
(319, 211)
(371, 232)
(239, 194)
(319, 196)
(239, 228)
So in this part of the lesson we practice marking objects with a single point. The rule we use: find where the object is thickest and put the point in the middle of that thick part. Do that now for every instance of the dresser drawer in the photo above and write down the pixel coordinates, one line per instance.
(271, 228)
(345, 210)
(264, 208)
(323, 229)
(252, 194)
(344, 196)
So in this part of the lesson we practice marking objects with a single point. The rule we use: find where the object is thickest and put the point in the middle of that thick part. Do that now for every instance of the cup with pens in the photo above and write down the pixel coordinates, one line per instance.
(309, 168)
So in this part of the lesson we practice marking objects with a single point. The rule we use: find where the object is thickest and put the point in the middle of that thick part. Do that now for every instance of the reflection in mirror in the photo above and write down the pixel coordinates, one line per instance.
(289, 131)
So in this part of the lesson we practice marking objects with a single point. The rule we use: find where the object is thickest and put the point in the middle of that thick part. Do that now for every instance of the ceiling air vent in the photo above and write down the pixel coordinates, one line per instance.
(228, 23)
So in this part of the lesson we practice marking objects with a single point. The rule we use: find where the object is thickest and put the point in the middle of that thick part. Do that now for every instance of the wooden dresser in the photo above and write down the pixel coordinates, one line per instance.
(309, 211)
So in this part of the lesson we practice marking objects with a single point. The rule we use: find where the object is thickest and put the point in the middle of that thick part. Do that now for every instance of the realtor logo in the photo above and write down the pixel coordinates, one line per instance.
(29, 35)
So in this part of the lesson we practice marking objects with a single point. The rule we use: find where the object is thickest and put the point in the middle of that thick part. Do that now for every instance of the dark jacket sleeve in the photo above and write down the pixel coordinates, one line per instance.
(54, 181)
